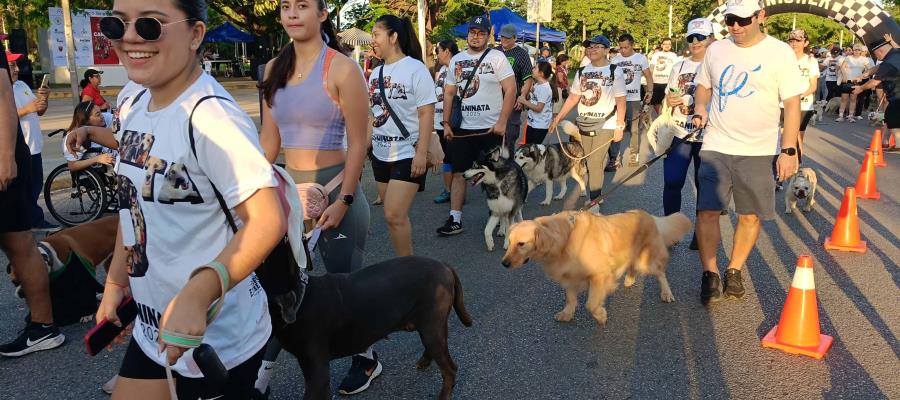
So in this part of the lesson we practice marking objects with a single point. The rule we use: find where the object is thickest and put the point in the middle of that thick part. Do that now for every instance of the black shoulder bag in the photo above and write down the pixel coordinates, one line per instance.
(456, 117)
(279, 275)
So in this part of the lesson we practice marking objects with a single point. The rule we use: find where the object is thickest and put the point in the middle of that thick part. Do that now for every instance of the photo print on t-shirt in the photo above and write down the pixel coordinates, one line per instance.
(465, 69)
(439, 85)
(136, 259)
(178, 187)
(135, 147)
(379, 109)
(591, 86)
(152, 167)
(687, 87)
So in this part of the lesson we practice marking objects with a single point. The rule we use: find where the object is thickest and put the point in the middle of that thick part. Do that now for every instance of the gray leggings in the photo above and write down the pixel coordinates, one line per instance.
(342, 248)
(597, 161)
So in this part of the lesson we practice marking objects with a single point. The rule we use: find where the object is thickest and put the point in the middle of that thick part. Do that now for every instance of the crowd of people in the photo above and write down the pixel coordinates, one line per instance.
(325, 119)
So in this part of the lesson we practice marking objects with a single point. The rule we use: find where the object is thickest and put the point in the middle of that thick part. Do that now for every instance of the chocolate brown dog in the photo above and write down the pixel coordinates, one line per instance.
(343, 314)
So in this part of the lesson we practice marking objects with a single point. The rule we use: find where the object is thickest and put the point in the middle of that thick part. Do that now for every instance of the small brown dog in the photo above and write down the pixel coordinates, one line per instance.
(583, 249)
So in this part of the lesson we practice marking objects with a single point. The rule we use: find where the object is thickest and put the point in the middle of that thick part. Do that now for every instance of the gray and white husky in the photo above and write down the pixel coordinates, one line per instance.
(505, 186)
(545, 164)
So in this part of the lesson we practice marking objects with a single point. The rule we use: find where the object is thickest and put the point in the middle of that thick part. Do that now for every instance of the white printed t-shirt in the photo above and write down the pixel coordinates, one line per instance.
(439, 95)
(683, 77)
(541, 93)
(30, 123)
(856, 66)
(662, 62)
(483, 101)
(831, 66)
(171, 221)
(598, 93)
(809, 67)
(633, 67)
(747, 85)
(408, 86)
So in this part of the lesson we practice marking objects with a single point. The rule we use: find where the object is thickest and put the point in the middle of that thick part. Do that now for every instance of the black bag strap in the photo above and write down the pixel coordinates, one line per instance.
(137, 97)
(612, 76)
(384, 99)
(475, 71)
(218, 194)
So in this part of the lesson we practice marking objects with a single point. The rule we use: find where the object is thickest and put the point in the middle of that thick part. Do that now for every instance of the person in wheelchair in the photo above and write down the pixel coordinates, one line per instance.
(88, 114)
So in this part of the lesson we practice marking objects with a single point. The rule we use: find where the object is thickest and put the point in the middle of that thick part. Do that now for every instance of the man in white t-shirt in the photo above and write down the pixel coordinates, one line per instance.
(488, 99)
(742, 79)
(661, 63)
(633, 66)
(30, 107)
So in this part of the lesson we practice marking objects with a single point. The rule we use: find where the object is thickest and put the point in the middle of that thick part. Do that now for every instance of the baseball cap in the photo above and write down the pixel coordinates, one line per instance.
(700, 26)
(10, 56)
(742, 8)
(91, 72)
(877, 43)
(798, 34)
(599, 39)
(480, 22)
(508, 31)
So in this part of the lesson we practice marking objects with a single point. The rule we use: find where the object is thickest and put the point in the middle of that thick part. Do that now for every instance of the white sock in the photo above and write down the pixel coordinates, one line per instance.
(266, 370)
(368, 354)
(457, 215)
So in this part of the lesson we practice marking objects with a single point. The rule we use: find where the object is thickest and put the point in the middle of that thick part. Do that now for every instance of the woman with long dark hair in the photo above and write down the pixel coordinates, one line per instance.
(176, 253)
(401, 94)
(314, 101)
(446, 50)
(87, 114)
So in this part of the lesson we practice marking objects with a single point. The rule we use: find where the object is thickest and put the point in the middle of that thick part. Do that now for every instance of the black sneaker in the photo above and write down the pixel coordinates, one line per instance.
(450, 227)
(34, 337)
(734, 285)
(359, 377)
(709, 288)
(613, 165)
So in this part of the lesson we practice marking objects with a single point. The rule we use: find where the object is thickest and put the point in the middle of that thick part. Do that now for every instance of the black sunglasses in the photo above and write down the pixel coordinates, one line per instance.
(148, 28)
(696, 38)
(730, 19)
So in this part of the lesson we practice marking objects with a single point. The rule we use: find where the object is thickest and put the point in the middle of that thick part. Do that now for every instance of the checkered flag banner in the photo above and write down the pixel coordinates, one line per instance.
(864, 18)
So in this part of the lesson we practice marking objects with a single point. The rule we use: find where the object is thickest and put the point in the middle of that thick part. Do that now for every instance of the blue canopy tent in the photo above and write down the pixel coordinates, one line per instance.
(526, 30)
(228, 33)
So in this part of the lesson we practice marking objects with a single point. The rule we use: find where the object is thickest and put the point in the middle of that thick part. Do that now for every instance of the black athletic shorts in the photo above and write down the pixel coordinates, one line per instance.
(464, 150)
(892, 115)
(15, 201)
(400, 170)
(136, 365)
(659, 93)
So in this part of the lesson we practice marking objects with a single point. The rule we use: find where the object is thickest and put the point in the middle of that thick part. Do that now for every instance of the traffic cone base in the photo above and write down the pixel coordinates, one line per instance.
(871, 196)
(859, 248)
(816, 352)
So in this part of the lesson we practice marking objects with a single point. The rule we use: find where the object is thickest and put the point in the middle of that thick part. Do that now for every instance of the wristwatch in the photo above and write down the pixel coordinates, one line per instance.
(347, 199)
(791, 151)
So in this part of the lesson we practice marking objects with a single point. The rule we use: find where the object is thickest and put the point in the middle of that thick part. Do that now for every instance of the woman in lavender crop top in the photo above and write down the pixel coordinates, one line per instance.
(314, 98)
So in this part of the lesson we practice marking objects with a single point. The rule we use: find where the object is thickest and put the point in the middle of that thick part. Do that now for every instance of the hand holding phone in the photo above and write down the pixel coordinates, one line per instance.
(45, 82)
(105, 332)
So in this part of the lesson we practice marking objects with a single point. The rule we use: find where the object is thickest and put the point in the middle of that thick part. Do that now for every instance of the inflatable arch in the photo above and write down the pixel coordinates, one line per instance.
(864, 18)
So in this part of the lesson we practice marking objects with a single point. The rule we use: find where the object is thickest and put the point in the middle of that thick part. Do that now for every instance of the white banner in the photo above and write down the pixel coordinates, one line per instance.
(86, 35)
(539, 11)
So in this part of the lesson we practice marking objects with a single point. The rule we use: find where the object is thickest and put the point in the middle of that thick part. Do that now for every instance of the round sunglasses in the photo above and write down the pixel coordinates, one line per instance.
(148, 28)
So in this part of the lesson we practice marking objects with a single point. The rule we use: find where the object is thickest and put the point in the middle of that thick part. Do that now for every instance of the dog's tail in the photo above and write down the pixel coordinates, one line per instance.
(673, 227)
(458, 304)
(570, 129)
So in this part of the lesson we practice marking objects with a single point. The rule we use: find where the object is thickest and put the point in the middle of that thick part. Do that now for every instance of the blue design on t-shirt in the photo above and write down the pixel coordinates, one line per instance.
(736, 83)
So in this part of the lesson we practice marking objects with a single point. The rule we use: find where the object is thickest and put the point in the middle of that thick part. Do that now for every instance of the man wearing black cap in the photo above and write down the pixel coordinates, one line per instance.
(490, 94)
(888, 75)
(16, 240)
(521, 65)
(90, 89)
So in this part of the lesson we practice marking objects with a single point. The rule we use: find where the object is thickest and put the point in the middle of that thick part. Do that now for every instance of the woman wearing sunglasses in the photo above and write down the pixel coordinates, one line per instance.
(680, 98)
(175, 253)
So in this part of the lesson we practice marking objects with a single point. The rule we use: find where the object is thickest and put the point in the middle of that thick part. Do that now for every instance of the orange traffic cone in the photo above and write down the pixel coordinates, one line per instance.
(891, 143)
(522, 136)
(877, 151)
(798, 330)
(865, 182)
(845, 236)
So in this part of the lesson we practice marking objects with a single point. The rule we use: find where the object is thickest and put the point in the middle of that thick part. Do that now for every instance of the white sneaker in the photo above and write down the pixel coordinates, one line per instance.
(839, 119)
(851, 120)
(859, 118)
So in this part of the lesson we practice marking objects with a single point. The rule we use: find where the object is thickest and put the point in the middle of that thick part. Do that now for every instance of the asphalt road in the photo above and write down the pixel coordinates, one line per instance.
(648, 349)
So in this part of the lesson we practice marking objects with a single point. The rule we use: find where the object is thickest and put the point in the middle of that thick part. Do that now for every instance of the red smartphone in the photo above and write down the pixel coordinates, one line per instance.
(103, 333)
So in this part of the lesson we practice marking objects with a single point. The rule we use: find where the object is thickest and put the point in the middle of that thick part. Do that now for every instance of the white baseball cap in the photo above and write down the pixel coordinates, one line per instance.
(700, 26)
(742, 8)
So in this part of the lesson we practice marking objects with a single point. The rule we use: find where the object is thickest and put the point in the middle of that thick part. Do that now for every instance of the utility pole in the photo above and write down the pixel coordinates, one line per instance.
(670, 18)
(421, 9)
(70, 44)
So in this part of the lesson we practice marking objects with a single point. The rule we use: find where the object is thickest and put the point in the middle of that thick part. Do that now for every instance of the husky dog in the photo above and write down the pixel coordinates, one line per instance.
(832, 106)
(819, 109)
(506, 187)
(545, 164)
(802, 186)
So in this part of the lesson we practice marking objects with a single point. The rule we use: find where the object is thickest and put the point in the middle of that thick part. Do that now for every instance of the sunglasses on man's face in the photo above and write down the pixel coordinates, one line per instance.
(148, 28)
(696, 38)
(730, 19)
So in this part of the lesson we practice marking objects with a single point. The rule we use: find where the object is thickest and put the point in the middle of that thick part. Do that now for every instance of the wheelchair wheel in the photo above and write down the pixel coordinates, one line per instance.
(74, 198)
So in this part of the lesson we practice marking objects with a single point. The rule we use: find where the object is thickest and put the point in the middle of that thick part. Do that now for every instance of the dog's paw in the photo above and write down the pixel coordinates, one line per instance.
(505, 244)
(545, 203)
(424, 362)
(788, 210)
(558, 197)
(564, 316)
(667, 297)
(490, 245)
(600, 315)
(629, 280)
(807, 208)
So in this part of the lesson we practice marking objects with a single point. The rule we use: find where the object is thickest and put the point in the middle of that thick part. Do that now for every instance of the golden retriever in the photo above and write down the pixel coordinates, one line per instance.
(581, 249)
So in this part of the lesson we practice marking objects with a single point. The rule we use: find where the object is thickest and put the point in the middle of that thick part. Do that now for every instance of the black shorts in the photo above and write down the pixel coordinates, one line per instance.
(443, 140)
(400, 170)
(805, 117)
(15, 208)
(892, 115)
(659, 93)
(464, 150)
(136, 365)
